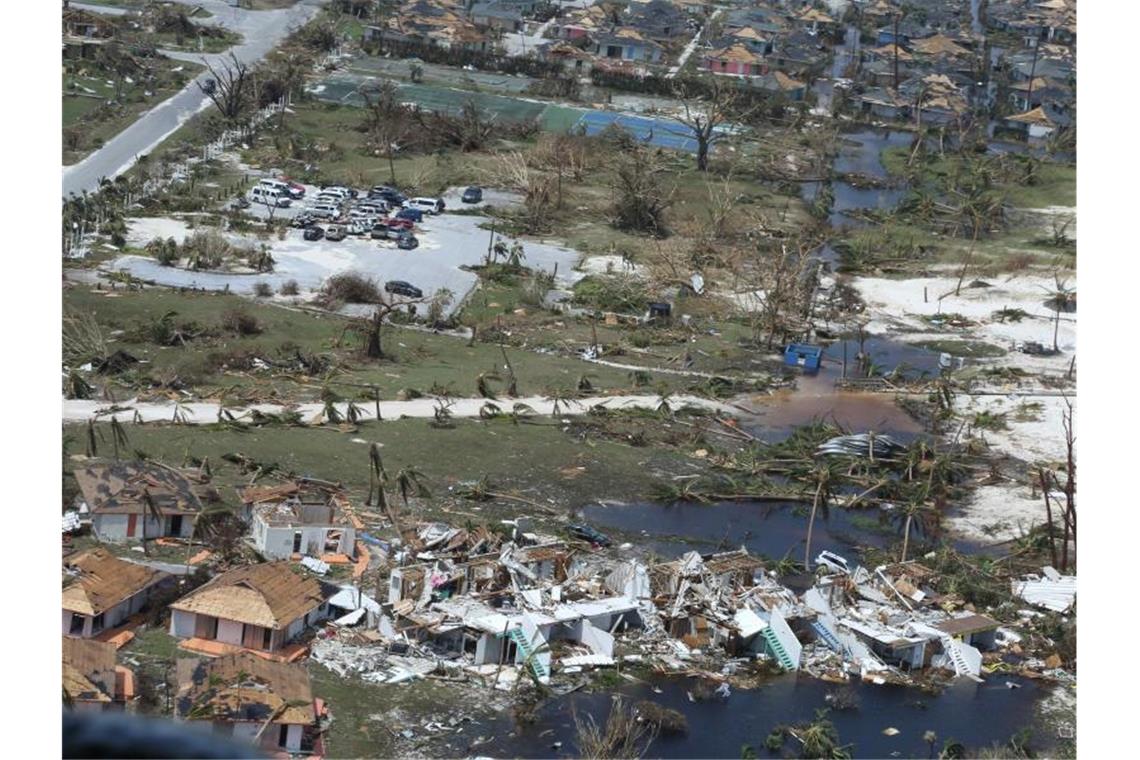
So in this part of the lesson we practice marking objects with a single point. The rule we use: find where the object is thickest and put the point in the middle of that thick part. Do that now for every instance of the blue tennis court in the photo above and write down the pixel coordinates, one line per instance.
(664, 133)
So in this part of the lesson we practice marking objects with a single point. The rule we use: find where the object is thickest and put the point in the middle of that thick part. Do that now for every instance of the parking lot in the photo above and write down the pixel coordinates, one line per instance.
(446, 242)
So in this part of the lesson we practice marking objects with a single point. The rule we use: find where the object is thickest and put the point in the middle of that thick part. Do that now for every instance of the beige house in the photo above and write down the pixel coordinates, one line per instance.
(259, 607)
(91, 679)
(101, 591)
(254, 700)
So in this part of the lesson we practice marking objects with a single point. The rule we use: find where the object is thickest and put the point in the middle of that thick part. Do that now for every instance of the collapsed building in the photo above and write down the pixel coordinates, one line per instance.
(305, 517)
(476, 600)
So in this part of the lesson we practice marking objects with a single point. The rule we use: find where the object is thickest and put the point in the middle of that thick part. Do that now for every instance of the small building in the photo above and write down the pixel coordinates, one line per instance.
(135, 501)
(302, 517)
(101, 591)
(806, 357)
(1035, 125)
(628, 44)
(496, 16)
(92, 681)
(253, 700)
(258, 607)
(737, 58)
(979, 631)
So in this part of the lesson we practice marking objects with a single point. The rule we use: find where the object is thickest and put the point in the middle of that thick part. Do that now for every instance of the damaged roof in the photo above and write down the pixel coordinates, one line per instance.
(96, 581)
(962, 626)
(244, 687)
(85, 662)
(270, 595)
(119, 488)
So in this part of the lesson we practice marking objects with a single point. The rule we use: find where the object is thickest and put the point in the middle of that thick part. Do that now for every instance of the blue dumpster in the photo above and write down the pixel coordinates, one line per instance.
(804, 356)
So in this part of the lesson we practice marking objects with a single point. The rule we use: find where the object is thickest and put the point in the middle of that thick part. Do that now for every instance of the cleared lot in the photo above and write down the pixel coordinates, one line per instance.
(447, 242)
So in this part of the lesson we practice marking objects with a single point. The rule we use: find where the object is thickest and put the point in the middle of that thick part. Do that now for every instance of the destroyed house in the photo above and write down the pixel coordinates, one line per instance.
(81, 23)
(134, 501)
(91, 679)
(100, 591)
(487, 572)
(259, 607)
(251, 699)
(492, 636)
(303, 517)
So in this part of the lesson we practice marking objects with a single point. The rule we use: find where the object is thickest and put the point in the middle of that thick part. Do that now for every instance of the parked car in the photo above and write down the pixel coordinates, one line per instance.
(407, 241)
(240, 202)
(396, 224)
(411, 214)
(313, 233)
(269, 196)
(302, 220)
(426, 205)
(380, 232)
(296, 189)
(336, 233)
(473, 195)
(393, 196)
(325, 211)
(401, 288)
(292, 189)
(374, 207)
(586, 533)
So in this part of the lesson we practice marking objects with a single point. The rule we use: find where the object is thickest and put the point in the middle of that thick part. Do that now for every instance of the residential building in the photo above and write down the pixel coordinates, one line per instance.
(303, 517)
(92, 681)
(136, 500)
(253, 700)
(260, 607)
(735, 59)
(627, 44)
(100, 591)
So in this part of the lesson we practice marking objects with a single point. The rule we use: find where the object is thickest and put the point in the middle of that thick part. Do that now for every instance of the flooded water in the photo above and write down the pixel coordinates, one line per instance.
(861, 152)
(772, 529)
(976, 715)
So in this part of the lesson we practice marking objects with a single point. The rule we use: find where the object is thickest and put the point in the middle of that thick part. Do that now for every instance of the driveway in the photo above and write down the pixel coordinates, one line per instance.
(261, 32)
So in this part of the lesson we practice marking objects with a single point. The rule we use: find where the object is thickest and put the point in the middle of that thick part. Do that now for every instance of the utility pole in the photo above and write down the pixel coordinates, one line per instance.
(1032, 73)
(896, 41)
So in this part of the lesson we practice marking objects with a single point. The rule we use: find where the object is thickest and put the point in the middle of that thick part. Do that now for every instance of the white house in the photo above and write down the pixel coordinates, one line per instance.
(238, 693)
(303, 517)
(261, 607)
(133, 501)
(101, 591)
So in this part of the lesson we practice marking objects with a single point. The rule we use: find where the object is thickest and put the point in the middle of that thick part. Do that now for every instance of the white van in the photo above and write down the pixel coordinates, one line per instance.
(325, 210)
(339, 192)
(270, 196)
(427, 205)
(291, 189)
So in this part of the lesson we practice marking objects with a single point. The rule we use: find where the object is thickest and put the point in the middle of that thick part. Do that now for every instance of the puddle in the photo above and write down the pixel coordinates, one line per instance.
(775, 417)
(718, 728)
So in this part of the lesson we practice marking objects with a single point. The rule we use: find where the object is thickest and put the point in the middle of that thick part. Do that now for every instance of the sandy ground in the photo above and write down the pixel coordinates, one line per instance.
(897, 306)
(204, 413)
(1005, 511)
(447, 242)
(609, 264)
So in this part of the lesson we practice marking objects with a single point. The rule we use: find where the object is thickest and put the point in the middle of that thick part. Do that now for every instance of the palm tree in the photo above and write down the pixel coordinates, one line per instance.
(151, 510)
(821, 475)
(377, 480)
(1062, 299)
(411, 481)
(118, 435)
(560, 399)
(483, 384)
(910, 511)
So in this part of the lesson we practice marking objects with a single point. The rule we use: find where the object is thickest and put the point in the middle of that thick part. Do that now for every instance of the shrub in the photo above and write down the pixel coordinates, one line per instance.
(290, 288)
(619, 293)
(263, 290)
(351, 287)
(241, 322)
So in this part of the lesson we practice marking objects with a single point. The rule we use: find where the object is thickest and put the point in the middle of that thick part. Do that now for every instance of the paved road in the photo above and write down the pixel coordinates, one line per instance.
(206, 412)
(261, 32)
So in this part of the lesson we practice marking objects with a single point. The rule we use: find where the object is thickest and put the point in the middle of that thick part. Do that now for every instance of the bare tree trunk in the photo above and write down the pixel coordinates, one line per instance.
(811, 524)
(1048, 515)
